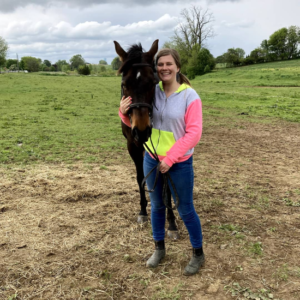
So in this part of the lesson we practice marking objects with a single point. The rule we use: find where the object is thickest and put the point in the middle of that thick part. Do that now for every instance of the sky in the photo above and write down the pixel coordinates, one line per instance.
(59, 29)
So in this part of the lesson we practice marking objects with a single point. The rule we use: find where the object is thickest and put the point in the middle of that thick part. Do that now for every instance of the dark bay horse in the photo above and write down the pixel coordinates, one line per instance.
(138, 82)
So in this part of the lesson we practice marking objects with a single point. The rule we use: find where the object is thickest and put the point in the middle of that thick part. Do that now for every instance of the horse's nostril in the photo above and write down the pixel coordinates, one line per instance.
(135, 133)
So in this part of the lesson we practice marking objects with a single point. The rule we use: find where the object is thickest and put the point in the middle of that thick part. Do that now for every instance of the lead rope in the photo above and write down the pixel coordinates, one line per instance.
(166, 177)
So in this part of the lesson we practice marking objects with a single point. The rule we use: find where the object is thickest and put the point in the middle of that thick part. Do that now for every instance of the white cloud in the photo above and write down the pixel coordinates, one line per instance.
(11, 5)
(62, 31)
(59, 29)
(91, 39)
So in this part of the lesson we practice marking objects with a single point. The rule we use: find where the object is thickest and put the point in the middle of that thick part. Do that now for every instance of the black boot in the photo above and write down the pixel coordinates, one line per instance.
(158, 254)
(195, 263)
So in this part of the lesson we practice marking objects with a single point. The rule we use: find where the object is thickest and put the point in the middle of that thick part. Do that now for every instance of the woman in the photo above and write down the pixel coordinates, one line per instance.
(177, 128)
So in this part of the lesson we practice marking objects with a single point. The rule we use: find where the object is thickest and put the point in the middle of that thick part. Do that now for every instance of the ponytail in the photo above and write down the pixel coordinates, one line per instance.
(183, 79)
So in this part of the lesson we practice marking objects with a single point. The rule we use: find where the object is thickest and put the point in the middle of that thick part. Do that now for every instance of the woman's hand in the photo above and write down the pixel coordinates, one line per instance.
(124, 104)
(164, 168)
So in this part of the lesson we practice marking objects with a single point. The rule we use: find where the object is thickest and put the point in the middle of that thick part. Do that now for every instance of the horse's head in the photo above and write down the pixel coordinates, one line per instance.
(138, 82)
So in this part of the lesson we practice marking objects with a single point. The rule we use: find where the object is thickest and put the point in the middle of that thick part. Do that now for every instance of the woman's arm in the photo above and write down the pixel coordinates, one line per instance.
(193, 132)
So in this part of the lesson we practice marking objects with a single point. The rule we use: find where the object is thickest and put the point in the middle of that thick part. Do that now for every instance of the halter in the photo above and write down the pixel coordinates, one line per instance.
(141, 104)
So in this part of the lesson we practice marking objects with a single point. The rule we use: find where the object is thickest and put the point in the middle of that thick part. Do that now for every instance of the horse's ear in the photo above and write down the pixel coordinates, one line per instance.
(151, 53)
(120, 51)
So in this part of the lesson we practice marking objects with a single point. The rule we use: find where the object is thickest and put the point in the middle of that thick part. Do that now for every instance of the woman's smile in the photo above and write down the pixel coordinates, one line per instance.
(167, 69)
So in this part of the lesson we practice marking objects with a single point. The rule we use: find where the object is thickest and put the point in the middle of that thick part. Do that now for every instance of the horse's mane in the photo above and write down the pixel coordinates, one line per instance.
(134, 55)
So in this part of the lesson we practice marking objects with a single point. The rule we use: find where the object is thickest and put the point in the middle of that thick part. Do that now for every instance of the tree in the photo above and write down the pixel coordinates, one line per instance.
(10, 62)
(200, 62)
(194, 28)
(84, 70)
(102, 69)
(13, 67)
(265, 47)
(241, 53)
(192, 65)
(292, 42)
(102, 62)
(65, 68)
(3, 51)
(277, 44)
(32, 64)
(47, 63)
(221, 59)
(22, 65)
(116, 63)
(207, 69)
(232, 56)
(249, 60)
(61, 63)
(192, 33)
(258, 55)
(76, 61)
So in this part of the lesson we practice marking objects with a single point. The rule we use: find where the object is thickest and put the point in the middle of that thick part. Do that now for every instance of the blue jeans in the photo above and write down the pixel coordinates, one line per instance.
(182, 175)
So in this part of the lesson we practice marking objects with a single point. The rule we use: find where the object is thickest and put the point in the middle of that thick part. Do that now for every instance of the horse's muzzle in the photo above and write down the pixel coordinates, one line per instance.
(141, 136)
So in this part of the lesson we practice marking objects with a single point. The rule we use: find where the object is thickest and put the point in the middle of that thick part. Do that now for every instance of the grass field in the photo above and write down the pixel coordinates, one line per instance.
(73, 118)
(69, 200)
(58, 118)
(269, 90)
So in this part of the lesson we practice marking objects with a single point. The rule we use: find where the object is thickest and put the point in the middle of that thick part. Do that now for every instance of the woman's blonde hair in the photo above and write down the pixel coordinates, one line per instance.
(167, 51)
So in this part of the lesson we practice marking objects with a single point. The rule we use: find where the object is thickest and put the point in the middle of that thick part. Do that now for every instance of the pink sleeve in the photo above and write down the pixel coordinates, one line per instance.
(125, 119)
(193, 132)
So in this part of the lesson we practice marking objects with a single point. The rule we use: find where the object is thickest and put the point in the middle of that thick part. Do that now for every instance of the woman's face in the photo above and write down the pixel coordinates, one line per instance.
(167, 69)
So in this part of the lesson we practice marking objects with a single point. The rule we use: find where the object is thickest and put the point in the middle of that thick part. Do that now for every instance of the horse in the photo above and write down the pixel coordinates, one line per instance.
(138, 81)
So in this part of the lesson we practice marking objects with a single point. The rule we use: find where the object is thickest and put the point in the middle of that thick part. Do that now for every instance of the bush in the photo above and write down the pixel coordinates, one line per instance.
(191, 74)
(65, 68)
(32, 64)
(206, 58)
(200, 62)
(249, 60)
(13, 67)
(207, 69)
(116, 63)
(84, 70)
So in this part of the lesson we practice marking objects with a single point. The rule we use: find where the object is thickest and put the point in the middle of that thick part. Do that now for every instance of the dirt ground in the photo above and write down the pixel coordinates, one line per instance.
(70, 232)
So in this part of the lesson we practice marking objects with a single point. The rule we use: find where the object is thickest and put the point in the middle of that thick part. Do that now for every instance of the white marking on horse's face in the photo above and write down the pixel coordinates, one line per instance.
(138, 75)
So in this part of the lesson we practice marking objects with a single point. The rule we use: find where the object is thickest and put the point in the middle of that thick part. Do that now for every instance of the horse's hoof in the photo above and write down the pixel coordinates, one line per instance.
(142, 219)
(173, 234)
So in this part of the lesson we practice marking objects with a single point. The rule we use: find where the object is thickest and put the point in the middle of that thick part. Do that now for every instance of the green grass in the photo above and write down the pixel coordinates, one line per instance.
(55, 119)
(75, 118)
(255, 248)
(265, 90)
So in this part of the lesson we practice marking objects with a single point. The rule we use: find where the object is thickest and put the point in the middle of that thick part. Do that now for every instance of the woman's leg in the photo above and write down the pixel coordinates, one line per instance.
(158, 209)
(182, 175)
(158, 212)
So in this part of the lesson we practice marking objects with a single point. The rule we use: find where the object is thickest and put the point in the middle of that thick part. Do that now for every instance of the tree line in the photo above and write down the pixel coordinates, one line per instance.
(33, 64)
(283, 44)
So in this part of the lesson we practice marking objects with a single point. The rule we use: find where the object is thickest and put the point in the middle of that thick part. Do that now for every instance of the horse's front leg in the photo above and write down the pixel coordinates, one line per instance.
(137, 155)
(172, 229)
